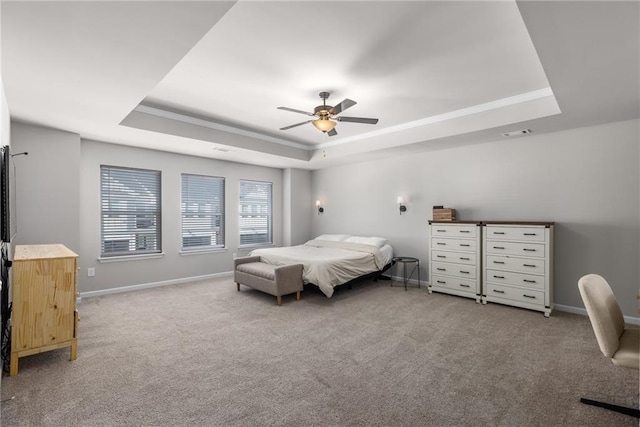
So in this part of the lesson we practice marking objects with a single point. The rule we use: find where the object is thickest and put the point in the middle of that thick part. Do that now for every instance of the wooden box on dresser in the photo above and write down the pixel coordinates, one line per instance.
(518, 264)
(44, 315)
(454, 259)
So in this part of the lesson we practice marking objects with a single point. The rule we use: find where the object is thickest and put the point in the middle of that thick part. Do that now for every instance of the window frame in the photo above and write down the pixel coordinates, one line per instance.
(268, 214)
(220, 182)
(134, 219)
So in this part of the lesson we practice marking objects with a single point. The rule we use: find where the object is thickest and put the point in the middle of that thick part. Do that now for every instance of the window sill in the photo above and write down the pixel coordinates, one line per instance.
(106, 260)
(202, 251)
(256, 246)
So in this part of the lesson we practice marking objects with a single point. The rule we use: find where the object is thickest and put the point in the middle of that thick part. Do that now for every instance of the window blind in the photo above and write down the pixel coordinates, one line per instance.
(202, 212)
(255, 213)
(130, 211)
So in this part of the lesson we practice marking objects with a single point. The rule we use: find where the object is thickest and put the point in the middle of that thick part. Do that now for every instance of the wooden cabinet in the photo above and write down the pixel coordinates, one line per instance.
(44, 315)
(454, 259)
(518, 265)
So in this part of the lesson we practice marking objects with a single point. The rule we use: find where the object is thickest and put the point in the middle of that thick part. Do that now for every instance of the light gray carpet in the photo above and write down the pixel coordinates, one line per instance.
(203, 354)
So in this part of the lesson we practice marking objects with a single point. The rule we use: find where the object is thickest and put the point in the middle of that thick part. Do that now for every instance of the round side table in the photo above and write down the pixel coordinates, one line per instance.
(405, 261)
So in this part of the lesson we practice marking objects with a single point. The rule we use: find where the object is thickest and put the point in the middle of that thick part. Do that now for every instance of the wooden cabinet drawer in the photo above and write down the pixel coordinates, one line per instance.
(439, 230)
(461, 258)
(454, 244)
(457, 270)
(454, 283)
(528, 296)
(536, 250)
(517, 279)
(526, 265)
(528, 234)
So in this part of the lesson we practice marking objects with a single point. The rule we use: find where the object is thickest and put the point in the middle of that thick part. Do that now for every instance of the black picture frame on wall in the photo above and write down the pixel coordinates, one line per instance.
(5, 194)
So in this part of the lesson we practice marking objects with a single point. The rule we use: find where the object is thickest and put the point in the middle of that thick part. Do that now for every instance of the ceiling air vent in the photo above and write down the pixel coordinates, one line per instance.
(517, 132)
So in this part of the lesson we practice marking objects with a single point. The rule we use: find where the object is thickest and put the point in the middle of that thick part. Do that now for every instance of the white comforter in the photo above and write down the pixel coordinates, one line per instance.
(327, 264)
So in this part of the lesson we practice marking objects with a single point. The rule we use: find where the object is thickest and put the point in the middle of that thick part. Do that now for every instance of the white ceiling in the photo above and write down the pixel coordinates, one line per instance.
(205, 78)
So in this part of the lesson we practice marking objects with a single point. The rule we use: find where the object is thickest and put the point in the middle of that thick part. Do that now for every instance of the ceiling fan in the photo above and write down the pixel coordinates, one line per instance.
(327, 116)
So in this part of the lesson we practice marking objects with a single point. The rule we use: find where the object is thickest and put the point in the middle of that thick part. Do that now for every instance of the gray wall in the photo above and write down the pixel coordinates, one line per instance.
(298, 207)
(47, 192)
(58, 194)
(586, 180)
(172, 265)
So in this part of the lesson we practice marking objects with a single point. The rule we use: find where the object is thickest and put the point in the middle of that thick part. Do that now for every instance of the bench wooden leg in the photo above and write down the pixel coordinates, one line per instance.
(279, 298)
(298, 296)
(238, 286)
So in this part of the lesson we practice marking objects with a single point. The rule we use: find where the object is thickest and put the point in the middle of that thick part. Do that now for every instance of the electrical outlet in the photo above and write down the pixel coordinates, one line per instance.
(91, 272)
(235, 255)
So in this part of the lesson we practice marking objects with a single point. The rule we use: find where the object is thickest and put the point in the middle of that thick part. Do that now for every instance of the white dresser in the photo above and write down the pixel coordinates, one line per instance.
(518, 264)
(454, 259)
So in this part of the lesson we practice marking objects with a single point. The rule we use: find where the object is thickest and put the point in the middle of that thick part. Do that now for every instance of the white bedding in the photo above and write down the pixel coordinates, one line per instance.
(328, 264)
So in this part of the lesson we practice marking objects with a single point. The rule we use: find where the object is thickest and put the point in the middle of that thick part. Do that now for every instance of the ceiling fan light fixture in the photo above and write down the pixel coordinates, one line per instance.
(324, 125)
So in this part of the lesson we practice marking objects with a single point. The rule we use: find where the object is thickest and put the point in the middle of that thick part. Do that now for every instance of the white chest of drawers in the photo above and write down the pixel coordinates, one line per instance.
(518, 265)
(454, 258)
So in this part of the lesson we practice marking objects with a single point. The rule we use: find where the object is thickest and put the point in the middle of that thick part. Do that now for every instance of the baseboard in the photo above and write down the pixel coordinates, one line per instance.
(130, 288)
(579, 310)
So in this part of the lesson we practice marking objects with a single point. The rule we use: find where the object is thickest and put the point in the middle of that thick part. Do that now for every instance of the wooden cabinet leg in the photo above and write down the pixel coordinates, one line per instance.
(74, 349)
(13, 367)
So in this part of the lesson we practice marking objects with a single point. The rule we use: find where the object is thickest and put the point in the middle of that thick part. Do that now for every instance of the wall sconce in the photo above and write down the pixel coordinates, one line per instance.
(320, 208)
(401, 205)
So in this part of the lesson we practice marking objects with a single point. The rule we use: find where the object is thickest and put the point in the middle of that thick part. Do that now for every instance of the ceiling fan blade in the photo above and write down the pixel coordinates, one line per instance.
(293, 110)
(297, 124)
(347, 103)
(357, 120)
(332, 132)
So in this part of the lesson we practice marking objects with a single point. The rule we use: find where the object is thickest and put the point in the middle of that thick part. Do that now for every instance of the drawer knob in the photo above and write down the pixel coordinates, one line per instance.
(498, 291)
(465, 231)
(498, 262)
(465, 245)
(498, 247)
(441, 256)
(528, 265)
(530, 234)
(529, 250)
(529, 296)
(441, 269)
(441, 281)
(442, 244)
(528, 281)
(441, 231)
(498, 277)
(464, 272)
(498, 232)
(464, 258)
(464, 286)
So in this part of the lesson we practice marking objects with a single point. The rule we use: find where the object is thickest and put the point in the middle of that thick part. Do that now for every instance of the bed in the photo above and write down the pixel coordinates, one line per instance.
(332, 260)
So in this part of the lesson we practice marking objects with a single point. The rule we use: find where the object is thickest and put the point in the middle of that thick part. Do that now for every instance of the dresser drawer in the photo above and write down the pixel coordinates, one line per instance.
(457, 270)
(532, 250)
(518, 279)
(453, 283)
(526, 265)
(528, 296)
(454, 244)
(439, 230)
(528, 234)
(461, 258)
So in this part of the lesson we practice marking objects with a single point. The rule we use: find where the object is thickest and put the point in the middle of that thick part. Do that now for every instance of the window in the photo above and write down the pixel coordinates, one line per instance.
(202, 212)
(130, 211)
(255, 213)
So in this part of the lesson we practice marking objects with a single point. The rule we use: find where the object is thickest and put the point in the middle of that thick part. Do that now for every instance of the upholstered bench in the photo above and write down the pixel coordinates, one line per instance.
(276, 280)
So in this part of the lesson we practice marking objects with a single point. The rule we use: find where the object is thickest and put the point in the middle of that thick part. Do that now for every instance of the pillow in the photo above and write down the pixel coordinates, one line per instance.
(374, 241)
(333, 237)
